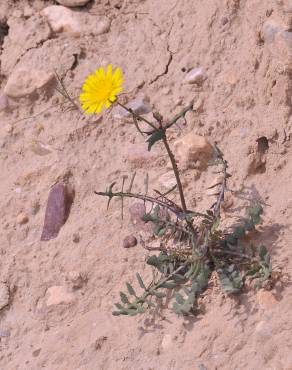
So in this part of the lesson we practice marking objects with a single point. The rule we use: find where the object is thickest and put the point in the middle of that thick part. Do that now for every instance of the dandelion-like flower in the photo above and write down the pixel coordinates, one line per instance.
(101, 89)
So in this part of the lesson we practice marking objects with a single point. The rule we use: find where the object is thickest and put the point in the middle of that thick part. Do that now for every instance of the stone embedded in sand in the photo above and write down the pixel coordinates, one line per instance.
(4, 295)
(139, 105)
(26, 81)
(4, 102)
(196, 76)
(74, 23)
(73, 3)
(59, 295)
(39, 148)
(129, 241)
(57, 211)
(266, 299)
(22, 218)
(62, 19)
(193, 151)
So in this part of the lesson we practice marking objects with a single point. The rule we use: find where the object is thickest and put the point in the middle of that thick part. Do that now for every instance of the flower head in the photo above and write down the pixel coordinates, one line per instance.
(101, 89)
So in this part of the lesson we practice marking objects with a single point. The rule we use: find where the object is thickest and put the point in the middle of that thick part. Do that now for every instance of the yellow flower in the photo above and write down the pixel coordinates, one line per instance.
(101, 89)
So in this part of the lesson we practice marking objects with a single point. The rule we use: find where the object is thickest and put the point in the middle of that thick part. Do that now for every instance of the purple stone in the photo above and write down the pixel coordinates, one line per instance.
(57, 211)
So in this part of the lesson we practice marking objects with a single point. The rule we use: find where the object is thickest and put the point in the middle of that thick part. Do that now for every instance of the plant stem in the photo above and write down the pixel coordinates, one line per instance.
(137, 116)
(176, 174)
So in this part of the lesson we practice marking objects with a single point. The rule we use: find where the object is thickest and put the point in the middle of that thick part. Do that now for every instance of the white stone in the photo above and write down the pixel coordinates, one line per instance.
(196, 76)
(140, 105)
(167, 341)
(193, 151)
(39, 148)
(24, 82)
(73, 3)
(62, 19)
(4, 295)
(59, 295)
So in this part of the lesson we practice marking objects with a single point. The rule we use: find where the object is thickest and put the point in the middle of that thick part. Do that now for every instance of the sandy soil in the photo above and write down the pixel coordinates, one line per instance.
(245, 48)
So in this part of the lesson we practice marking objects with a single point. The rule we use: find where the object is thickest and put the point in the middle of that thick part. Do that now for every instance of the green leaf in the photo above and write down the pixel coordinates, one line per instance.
(239, 232)
(124, 298)
(169, 285)
(158, 294)
(155, 136)
(140, 281)
(263, 252)
(161, 232)
(153, 261)
(179, 298)
(130, 289)
(230, 280)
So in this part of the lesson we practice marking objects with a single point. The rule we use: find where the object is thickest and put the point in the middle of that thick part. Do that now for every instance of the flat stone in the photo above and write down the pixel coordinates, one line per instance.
(73, 3)
(57, 211)
(266, 299)
(4, 102)
(22, 218)
(59, 295)
(193, 151)
(74, 23)
(4, 295)
(24, 82)
(39, 148)
(196, 76)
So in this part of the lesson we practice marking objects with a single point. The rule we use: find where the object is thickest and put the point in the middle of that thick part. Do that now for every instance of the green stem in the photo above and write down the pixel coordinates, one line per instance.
(176, 174)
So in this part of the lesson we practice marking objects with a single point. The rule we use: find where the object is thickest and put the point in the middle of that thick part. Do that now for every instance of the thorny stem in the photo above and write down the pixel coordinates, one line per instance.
(176, 174)
(137, 116)
(176, 210)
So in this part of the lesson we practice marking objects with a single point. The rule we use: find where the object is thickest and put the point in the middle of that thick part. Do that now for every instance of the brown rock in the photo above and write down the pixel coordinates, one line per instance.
(22, 218)
(129, 241)
(57, 211)
(193, 151)
(266, 299)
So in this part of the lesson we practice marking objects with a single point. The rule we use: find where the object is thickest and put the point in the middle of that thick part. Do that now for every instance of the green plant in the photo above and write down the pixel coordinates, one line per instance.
(203, 247)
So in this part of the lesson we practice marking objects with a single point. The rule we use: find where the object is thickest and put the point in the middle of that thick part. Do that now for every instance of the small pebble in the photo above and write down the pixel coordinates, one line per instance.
(76, 238)
(22, 218)
(196, 76)
(129, 241)
(4, 333)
